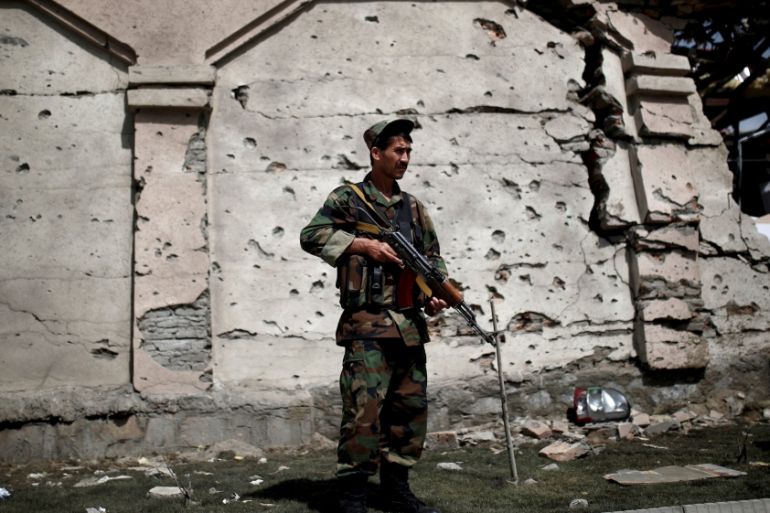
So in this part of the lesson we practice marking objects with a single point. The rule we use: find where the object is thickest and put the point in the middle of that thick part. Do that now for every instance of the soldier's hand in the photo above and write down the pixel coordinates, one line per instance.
(435, 305)
(375, 250)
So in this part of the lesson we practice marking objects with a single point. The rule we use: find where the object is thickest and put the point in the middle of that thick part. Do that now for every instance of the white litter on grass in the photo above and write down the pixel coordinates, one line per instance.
(456, 467)
(93, 481)
(262, 460)
(233, 498)
(578, 504)
(100, 509)
(37, 476)
(256, 482)
(4, 493)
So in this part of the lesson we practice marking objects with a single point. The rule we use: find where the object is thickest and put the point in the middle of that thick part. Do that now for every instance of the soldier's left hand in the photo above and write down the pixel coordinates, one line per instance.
(435, 305)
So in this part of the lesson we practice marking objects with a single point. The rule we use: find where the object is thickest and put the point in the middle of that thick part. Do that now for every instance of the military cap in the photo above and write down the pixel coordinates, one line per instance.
(385, 129)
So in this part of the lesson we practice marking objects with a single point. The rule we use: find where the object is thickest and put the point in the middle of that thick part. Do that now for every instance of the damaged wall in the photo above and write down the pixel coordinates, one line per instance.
(570, 173)
(65, 209)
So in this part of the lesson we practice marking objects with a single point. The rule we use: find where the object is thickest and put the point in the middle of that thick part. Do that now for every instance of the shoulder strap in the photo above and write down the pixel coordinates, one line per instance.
(378, 217)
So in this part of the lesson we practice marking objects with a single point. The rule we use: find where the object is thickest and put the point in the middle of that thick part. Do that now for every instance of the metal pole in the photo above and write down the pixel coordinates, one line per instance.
(504, 400)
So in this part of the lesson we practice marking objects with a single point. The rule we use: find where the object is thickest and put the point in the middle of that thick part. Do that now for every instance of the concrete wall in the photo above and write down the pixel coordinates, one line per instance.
(65, 209)
(571, 177)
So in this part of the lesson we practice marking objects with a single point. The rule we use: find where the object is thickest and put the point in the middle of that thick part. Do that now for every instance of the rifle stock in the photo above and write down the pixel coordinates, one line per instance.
(438, 284)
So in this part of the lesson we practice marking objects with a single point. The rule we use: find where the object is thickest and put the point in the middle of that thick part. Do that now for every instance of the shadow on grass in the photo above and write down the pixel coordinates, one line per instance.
(319, 495)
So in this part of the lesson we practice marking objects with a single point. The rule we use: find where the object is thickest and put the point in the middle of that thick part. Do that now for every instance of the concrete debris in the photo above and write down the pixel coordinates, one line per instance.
(559, 427)
(477, 437)
(641, 419)
(661, 427)
(536, 429)
(94, 481)
(453, 466)
(564, 451)
(551, 467)
(166, 492)
(626, 430)
(672, 474)
(442, 440)
(99, 509)
(228, 449)
(530, 482)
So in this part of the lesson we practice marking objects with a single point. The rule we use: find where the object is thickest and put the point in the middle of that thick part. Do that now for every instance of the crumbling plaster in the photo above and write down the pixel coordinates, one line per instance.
(65, 210)
(598, 255)
(286, 137)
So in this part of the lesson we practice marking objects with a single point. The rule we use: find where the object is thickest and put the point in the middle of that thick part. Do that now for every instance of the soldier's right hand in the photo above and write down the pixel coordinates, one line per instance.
(375, 250)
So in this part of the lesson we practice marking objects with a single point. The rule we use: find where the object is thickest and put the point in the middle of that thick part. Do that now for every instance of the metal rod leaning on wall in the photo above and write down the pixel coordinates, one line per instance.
(504, 399)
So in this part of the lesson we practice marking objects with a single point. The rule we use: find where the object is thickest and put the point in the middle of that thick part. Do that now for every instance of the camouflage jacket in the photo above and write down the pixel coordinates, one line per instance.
(329, 234)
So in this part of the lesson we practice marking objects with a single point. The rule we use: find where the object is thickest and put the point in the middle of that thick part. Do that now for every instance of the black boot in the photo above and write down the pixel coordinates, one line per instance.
(394, 480)
(353, 493)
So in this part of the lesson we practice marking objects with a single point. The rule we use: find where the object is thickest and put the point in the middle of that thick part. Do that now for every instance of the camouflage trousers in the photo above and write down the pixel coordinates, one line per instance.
(384, 405)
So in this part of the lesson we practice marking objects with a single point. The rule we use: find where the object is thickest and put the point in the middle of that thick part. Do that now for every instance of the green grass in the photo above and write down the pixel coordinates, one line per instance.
(308, 485)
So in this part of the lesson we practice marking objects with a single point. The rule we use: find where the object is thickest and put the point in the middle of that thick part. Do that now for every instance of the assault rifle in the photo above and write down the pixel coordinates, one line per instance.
(429, 276)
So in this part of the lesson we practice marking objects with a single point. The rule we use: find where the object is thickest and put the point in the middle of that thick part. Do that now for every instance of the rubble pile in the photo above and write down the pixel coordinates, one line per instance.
(570, 441)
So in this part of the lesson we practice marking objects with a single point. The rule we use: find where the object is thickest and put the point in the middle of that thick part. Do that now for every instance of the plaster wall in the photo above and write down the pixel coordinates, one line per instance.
(65, 210)
(602, 229)
(489, 163)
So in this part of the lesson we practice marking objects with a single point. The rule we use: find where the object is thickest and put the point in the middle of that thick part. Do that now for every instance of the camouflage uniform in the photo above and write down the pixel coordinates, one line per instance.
(383, 380)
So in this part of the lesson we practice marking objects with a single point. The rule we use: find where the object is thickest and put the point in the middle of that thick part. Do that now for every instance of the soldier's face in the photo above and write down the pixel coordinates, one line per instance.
(393, 160)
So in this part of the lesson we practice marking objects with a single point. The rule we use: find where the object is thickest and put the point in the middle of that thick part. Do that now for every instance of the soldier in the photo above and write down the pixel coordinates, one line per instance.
(382, 327)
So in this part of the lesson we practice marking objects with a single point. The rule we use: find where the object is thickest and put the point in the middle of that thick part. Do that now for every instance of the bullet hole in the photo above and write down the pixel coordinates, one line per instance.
(289, 190)
(102, 353)
(532, 213)
(241, 95)
(534, 186)
(343, 162)
(23, 169)
(317, 286)
(278, 231)
(319, 314)
(558, 282)
(526, 278)
(598, 298)
(512, 185)
(250, 143)
(453, 170)
(231, 156)
(159, 133)
(498, 236)
(254, 245)
(275, 167)
(372, 19)
(472, 56)
(44, 114)
(294, 292)
(488, 94)
(718, 279)
(561, 206)
(494, 30)
(172, 257)
(492, 254)
(494, 294)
